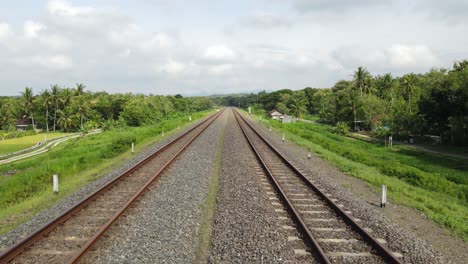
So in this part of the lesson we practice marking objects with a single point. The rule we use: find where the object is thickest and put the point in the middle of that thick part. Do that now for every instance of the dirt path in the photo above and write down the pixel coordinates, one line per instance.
(417, 147)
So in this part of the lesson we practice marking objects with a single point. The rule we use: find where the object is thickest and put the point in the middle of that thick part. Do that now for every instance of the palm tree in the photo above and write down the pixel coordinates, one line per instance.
(66, 120)
(83, 108)
(66, 96)
(46, 101)
(409, 84)
(55, 96)
(28, 103)
(80, 89)
(387, 85)
(361, 79)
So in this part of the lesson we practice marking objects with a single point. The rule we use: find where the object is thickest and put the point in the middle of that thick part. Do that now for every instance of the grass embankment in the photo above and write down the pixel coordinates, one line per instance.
(26, 188)
(435, 185)
(205, 230)
(16, 144)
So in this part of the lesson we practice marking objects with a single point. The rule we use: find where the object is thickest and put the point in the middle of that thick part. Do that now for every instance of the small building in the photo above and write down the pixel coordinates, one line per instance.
(274, 114)
(286, 119)
(22, 124)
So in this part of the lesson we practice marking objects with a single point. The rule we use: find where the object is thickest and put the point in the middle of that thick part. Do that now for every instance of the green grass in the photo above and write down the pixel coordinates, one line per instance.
(209, 207)
(25, 186)
(16, 144)
(435, 185)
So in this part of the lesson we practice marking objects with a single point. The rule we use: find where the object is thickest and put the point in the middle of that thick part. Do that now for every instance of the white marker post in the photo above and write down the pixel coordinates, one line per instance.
(270, 128)
(190, 118)
(384, 196)
(308, 154)
(133, 147)
(250, 112)
(390, 141)
(283, 137)
(55, 183)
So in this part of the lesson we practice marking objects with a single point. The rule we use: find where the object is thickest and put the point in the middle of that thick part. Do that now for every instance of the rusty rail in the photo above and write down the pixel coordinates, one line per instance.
(383, 251)
(9, 254)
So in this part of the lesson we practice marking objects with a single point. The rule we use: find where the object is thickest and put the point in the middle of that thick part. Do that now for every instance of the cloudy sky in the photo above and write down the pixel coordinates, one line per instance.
(222, 46)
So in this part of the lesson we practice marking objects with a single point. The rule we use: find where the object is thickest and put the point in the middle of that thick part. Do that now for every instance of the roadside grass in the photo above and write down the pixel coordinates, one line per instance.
(16, 144)
(208, 207)
(433, 184)
(26, 186)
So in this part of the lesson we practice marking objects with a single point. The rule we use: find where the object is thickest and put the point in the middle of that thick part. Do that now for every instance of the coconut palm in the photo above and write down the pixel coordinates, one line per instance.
(46, 100)
(66, 96)
(361, 80)
(66, 120)
(387, 85)
(83, 109)
(409, 84)
(28, 103)
(80, 89)
(55, 98)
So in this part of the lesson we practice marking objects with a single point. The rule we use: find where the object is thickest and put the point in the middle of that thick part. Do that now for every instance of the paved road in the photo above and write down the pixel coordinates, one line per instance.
(44, 148)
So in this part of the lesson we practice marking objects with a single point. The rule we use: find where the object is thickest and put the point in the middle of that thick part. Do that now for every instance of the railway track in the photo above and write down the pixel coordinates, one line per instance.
(67, 237)
(332, 234)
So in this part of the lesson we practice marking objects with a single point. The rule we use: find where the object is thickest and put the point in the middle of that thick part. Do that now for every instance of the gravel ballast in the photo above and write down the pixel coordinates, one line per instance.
(246, 226)
(163, 226)
(399, 239)
(43, 217)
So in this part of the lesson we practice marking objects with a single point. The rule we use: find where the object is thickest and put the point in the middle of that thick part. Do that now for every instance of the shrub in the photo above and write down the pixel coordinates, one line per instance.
(341, 128)
(118, 145)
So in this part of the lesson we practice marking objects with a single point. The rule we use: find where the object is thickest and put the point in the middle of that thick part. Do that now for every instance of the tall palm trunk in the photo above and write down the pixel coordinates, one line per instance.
(409, 102)
(32, 119)
(55, 115)
(47, 118)
(354, 115)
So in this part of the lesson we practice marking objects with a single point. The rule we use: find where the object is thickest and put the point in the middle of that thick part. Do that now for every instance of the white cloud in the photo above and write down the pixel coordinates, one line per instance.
(290, 44)
(265, 20)
(64, 8)
(397, 57)
(52, 62)
(5, 31)
(219, 53)
(173, 67)
(339, 6)
(451, 11)
(55, 41)
(32, 29)
(220, 69)
(410, 56)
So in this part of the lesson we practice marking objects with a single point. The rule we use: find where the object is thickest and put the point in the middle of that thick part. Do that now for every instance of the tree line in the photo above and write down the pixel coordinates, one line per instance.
(413, 105)
(74, 109)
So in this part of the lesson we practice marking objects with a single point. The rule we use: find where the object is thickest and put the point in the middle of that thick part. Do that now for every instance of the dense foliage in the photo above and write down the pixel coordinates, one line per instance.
(434, 103)
(72, 109)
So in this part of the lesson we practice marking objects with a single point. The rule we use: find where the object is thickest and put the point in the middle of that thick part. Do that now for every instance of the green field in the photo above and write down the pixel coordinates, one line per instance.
(436, 185)
(16, 144)
(25, 186)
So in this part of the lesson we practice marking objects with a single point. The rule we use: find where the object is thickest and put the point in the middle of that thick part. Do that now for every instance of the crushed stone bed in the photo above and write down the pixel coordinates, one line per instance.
(399, 239)
(163, 225)
(246, 226)
(36, 222)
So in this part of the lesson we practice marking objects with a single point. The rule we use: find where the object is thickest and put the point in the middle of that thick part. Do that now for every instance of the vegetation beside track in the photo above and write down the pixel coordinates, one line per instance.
(209, 207)
(433, 184)
(16, 144)
(25, 187)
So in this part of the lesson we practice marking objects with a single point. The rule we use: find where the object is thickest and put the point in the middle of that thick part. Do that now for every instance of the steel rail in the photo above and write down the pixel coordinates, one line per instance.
(302, 225)
(383, 251)
(16, 249)
(98, 234)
